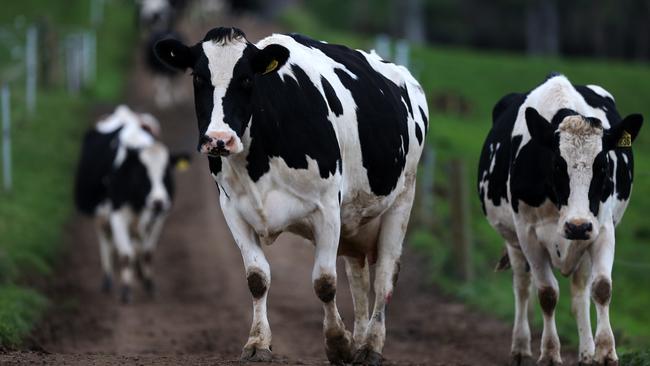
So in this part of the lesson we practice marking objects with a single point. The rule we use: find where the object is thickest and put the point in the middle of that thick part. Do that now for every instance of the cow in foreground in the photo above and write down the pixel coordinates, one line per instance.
(318, 140)
(124, 182)
(554, 179)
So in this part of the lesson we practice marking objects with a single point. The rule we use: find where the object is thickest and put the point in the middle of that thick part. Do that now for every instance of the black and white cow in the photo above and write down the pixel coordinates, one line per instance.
(554, 179)
(315, 139)
(124, 181)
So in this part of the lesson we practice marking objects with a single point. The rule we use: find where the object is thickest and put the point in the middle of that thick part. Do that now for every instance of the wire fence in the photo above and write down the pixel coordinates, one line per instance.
(21, 61)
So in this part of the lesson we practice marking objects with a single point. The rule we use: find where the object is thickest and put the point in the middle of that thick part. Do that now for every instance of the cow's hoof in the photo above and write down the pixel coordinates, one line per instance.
(149, 287)
(548, 361)
(366, 356)
(126, 296)
(339, 348)
(107, 284)
(521, 360)
(253, 354)
(607, 362)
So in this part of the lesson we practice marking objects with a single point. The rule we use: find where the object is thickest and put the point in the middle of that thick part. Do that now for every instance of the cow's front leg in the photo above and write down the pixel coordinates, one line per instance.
(580, 284)
(548, 293)
(602, 256)
(358, 275)
(151, 236)
(104, 235)
(520, 349)
(389, 249)
(338, 341)
(120, 221)
(258, 276)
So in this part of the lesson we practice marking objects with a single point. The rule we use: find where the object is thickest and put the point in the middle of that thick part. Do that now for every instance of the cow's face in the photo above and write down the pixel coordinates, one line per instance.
(581, 178)
(159, 165)
(225, 68)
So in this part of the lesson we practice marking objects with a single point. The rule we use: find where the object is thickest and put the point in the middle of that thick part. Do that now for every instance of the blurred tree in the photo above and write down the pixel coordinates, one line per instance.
(542, 27)
(600, 28)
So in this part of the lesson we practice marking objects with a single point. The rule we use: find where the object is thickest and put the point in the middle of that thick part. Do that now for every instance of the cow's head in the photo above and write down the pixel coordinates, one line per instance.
(226, 68)
(578, 147)
(152, 168)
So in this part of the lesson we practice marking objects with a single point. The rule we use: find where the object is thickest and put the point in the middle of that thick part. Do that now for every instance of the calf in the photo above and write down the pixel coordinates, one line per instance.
(554, 179)
(318, 140)
(124, 182)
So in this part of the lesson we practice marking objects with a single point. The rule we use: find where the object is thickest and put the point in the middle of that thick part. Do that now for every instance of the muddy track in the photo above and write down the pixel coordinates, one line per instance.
(202, 311)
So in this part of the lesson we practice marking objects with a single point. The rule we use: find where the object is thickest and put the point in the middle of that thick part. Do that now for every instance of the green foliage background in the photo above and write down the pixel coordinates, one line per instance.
(33, 215)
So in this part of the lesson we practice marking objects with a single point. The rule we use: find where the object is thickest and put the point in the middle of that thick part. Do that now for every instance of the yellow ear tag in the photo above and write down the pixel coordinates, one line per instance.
(182, 165)
(625, 140)
(272, 65)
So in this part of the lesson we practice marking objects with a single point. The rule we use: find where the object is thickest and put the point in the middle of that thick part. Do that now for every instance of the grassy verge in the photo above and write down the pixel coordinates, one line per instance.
(44, 149)
(480, 79)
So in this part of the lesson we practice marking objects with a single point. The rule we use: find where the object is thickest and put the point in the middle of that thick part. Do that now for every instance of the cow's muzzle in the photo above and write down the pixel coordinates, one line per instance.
(578, 230)
(217, 144)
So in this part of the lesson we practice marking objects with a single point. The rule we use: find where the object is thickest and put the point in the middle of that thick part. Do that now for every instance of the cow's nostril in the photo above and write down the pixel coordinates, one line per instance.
(221, 144)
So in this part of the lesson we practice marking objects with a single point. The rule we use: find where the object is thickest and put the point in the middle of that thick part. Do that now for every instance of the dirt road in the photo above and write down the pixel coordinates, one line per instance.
(202, 311)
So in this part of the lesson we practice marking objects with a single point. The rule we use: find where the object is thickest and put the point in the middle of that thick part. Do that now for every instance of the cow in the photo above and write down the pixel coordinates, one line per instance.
(554, 179)
(124, 181)
(158, 14)
(315, 139)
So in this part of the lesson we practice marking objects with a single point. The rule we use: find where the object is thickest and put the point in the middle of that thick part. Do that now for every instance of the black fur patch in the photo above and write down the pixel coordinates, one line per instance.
(381, 115)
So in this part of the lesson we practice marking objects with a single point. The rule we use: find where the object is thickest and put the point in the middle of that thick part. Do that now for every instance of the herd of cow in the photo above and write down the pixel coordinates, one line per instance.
(323, 141)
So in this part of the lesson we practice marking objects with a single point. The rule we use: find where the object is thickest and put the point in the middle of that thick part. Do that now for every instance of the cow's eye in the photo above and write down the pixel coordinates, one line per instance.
(246, 82)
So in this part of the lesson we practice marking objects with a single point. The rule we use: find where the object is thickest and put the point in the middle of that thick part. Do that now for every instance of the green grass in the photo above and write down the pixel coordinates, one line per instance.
(481, 78)
(44, 149)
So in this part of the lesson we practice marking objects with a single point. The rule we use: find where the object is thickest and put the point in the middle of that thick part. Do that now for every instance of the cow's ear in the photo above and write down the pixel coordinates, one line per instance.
(539, 128)
(624, 133)
(180, 161)
(269, 59)
(174, 54)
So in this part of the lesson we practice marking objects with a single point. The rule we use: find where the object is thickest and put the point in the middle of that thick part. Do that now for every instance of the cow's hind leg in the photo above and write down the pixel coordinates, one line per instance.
(389, 249)
(580, 284)
(338, 341)
(520, 348)
(258, 277)
(358, 275)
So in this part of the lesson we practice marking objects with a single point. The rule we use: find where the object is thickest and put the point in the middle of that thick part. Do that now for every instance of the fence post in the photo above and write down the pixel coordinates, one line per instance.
(31, 69)
(424, 202)
(89, 57)
(460, 225)
(96, 12)
(402, 53)
(6, 137)
(382, 46)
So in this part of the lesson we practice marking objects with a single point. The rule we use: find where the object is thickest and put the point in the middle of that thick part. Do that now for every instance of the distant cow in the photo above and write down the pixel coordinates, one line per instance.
(124, 181)
(158, 14)
(315, 139)
(554, 179)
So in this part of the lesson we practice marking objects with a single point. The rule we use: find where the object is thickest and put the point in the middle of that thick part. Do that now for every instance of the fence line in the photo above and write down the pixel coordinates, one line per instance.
(79, 52)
